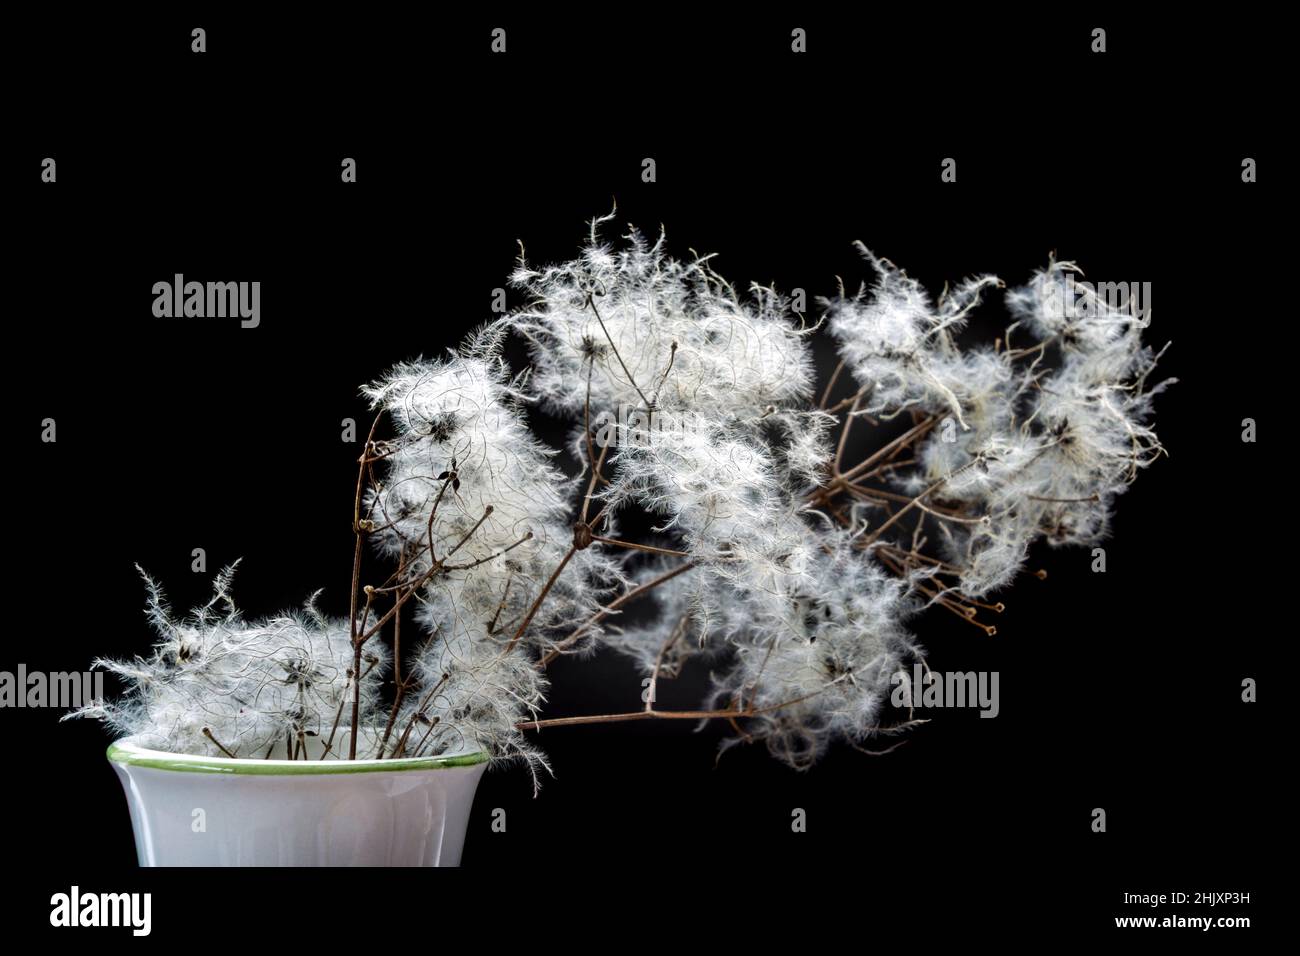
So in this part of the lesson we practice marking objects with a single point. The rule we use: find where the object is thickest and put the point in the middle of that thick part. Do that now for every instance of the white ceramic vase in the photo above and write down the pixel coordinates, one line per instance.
(189, 810)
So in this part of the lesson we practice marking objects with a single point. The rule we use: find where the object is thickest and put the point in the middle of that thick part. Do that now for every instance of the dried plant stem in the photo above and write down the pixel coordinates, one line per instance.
(633, 715)
(591, 452)
(424, 702)
(528, 536)
(672, 639)
(433, 512)
(844, 431)
(496, 615)
(591, 301)
(835, 377)
(672, 356)
(397, 627)
(356, 700)
(358, 532)
(208, 733)
(398, 697)
(329, 744)
(958, 605)
(729, 714)
(420, 746)
(841, 479)
(537, 603)
(915, 502)
(636, 546)
(878, 495)
(614, 605)
(414, 587)
(338, 716)
(922, 557)
(591, 485)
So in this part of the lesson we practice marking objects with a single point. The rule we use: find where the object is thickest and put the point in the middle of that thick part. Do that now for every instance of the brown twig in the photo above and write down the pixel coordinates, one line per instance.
(419, 712)
(532, 611)
(358, 531)
(672, 639)
(636, 546)
(591, 301)
(614, 605)
(729, 714)
(208, 733)
(835, 376)
(839, 480)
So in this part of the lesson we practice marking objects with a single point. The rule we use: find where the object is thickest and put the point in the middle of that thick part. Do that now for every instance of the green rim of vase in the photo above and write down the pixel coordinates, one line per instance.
(131, 755)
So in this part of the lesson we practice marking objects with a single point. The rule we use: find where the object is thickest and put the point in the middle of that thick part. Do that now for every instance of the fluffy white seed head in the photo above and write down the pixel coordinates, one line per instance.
(695, 406)
(254, 686)
(633, 327)
(470, 502)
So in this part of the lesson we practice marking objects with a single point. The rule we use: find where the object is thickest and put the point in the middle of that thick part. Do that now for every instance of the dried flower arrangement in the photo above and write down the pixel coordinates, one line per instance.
(792, 572)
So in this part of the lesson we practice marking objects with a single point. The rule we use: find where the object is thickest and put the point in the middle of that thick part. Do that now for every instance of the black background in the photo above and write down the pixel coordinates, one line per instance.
(1119, 690)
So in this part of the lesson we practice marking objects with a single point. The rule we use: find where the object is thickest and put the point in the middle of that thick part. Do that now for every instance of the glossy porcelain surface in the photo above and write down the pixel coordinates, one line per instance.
(204, 811)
